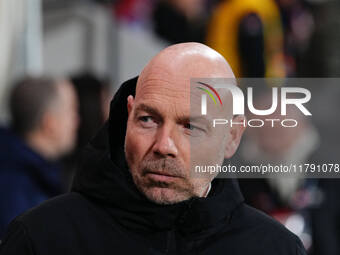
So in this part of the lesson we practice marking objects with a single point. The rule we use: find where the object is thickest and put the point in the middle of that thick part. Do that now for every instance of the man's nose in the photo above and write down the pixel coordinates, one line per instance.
(165, 145)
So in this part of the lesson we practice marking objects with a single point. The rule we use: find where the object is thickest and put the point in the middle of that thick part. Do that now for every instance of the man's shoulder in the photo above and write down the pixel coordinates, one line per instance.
(67, 224)
(261, 229)
(56, 209)
(57, 204)
(60, 218)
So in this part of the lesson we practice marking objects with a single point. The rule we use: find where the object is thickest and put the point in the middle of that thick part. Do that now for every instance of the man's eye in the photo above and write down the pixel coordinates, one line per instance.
(193, 130)
(145, 118)
(190, 126)
(147, 121)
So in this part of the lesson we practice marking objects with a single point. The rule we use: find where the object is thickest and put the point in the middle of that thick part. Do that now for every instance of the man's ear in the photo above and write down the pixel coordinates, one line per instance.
(130, 102)
(234, 136)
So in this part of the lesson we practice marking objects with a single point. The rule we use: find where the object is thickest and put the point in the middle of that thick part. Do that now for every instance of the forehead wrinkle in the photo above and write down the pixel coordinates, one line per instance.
(153, 73)
(166, 96)
(162, 88)
(174, 112)
(173, 80)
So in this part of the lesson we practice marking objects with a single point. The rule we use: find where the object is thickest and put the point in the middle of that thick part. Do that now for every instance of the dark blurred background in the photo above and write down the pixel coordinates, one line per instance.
(62, 60)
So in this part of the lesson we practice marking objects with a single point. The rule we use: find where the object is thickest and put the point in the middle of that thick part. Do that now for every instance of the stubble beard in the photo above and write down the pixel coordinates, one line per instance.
(159, 192)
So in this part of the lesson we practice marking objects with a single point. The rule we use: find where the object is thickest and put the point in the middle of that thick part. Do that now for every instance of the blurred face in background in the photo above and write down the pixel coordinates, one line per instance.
(64, 119)
(190, 8)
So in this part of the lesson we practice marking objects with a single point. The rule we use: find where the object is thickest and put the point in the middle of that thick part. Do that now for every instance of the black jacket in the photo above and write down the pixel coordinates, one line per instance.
(105, 213)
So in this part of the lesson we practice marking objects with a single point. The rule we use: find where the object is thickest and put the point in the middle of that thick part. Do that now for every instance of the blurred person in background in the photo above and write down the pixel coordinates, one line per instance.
(283, 197)
(177, 21)
(133, 12)
(249, 34)
(298, 27)
(94, 104)
(94, 96)
(322, 57)
(43, 128)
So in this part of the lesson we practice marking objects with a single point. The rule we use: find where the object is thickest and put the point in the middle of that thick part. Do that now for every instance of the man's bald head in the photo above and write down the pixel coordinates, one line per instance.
(185, 61)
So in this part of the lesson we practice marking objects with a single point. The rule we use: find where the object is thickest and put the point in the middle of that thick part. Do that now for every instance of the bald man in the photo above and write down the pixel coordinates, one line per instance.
(135, 193)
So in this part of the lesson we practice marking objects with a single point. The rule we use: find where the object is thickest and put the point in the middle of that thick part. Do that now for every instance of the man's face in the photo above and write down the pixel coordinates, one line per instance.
(163, 138)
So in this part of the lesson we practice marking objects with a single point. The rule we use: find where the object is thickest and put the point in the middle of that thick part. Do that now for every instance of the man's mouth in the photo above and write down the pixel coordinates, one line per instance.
(161, 176)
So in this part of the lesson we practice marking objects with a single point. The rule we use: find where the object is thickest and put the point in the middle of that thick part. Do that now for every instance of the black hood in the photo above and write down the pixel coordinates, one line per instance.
(103, 177)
